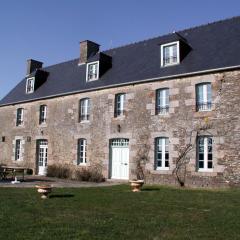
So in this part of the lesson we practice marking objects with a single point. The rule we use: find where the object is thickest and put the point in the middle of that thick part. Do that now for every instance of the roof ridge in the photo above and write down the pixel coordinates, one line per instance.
(152, 38)
(180, 30)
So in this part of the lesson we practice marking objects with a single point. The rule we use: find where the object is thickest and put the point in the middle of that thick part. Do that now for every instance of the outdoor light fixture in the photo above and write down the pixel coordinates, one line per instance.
(3, 138)
(28, 139)
(119, 128)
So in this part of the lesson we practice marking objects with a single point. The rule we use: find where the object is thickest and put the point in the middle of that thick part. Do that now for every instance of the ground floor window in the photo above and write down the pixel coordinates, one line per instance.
(18, 149)
(82, 151)
(162, 153)
(205, 155)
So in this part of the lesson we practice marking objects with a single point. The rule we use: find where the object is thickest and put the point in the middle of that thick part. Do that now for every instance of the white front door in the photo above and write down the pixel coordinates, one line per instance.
(42, 157)
(120, 159)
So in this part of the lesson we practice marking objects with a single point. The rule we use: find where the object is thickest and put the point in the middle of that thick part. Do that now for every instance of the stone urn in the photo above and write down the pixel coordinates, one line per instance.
(136, 185)
(44, 190)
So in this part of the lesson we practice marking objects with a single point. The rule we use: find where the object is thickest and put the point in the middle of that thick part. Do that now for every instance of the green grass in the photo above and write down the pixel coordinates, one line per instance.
(116, 213)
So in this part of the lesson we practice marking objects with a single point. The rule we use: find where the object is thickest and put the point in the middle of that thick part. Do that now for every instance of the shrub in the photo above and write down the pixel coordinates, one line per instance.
(89, 175)
(82, 174)
(59, 171)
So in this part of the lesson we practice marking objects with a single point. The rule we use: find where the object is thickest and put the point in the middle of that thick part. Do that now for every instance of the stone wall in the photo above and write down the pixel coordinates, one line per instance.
(140, 125)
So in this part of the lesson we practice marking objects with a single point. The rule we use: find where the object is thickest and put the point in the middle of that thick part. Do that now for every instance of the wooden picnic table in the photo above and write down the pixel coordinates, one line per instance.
(5, 170)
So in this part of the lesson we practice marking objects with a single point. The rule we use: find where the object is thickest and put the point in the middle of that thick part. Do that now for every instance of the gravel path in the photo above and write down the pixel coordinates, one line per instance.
(31, 181)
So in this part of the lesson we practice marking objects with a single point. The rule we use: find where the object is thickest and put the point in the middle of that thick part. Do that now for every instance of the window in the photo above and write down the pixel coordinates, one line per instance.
(162, 153)
(162, 101)
(92, 71)
(84, 109)
(18, 150)
(203, 97)
(43, 114)
(19, 120)
(120, 104)
(82, 151)
(170, 54)
(30, 85)
(205, 156)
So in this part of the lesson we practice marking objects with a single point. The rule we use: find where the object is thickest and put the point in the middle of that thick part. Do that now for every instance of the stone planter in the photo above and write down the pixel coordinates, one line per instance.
(136, 185)
(44, 190)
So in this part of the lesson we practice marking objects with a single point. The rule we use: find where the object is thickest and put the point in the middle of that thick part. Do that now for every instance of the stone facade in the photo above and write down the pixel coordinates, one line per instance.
(140, 125)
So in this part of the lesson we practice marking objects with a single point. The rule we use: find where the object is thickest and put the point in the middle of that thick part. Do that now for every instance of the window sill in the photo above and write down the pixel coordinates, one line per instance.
(85, 121)
(204, 173)
(207, 110)
(82, 164)
(170, 64)
(20, 126)
(161, 171)
(162, 168)
(205, 170)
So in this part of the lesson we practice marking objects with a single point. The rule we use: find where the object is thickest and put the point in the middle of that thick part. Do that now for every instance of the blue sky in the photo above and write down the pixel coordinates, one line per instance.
(50, 30)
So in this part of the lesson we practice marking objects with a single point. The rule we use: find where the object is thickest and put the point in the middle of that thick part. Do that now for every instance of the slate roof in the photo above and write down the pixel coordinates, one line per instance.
(215, 45)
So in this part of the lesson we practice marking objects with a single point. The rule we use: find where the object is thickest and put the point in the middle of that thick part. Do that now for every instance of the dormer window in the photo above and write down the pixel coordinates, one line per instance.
(30, 85)
(170, 54)
(92, 71)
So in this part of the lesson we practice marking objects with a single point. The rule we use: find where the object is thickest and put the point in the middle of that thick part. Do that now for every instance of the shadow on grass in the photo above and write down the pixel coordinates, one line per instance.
(61, 196)
(150, 189)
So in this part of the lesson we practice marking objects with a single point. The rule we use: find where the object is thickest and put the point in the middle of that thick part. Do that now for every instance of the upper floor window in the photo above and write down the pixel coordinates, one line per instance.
(19, 120)
(162, 153)
(92, 71)
(170, 54)
(82, 151)
(205, 155)
(120, 104)
(43, 114)
(204, 97)
(30, 85)
(18, 149)
(162, 101)
(84, 109)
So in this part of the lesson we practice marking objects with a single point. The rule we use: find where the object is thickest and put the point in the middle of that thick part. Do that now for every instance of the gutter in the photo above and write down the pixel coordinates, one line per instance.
(126, 84)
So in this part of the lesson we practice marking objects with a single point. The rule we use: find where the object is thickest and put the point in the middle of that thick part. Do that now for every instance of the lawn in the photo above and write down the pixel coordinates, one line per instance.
(116, 213)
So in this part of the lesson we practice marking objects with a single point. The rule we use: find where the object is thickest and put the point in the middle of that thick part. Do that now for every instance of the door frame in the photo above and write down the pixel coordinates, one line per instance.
(110, 156)
(37, 153)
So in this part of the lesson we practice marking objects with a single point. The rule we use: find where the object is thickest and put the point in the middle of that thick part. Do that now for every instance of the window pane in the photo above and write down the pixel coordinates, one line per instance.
(201, 164)
(201, 156)
(120, 104)
(162, 154)
(210, 157)
(210, 164)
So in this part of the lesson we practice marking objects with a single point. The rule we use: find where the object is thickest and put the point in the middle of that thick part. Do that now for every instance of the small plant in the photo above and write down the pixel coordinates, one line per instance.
(141, 160)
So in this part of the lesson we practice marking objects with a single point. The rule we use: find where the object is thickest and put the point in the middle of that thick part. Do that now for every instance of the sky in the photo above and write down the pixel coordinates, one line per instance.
(50, 30)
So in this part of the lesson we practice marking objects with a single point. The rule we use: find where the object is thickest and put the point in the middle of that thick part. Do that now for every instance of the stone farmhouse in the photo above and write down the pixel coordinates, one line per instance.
(170, 102)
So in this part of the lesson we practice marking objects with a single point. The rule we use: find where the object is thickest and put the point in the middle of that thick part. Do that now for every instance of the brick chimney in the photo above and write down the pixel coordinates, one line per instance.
(33, 65)
(87, 49)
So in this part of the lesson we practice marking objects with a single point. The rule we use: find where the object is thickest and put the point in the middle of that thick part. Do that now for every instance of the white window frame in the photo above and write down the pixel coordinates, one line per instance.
(18, 151)
(205, 161)
(164, 106)
(120, 100)
(163, 167)
(163, 46)
(85, 109)
(206, 101)
(42, 120)
(21, 119)
(32, 79)
(87, 75)
(82, 151)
